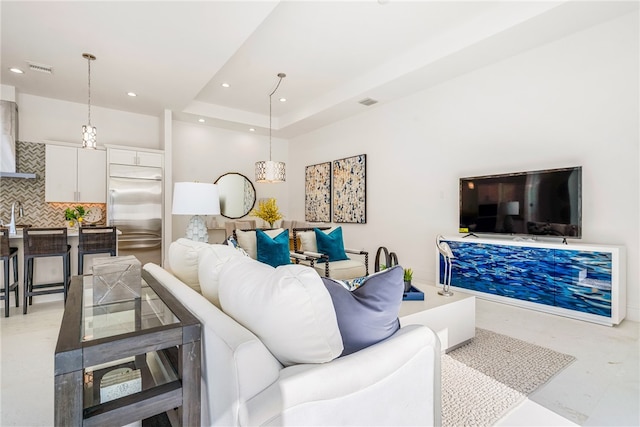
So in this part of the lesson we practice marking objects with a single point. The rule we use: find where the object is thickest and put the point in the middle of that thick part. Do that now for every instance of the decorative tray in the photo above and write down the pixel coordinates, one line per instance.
(414, 294)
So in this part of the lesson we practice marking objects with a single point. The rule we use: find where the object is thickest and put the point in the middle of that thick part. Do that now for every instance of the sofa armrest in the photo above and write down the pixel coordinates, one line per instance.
(313, 255)
(302, 256)
(235, 363)
(355, 251)
(363, 253)
(401, 372)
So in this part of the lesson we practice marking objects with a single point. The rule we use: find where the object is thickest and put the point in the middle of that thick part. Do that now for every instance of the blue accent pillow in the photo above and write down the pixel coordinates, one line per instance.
(369, 313)
(331, 244)
(273, 251)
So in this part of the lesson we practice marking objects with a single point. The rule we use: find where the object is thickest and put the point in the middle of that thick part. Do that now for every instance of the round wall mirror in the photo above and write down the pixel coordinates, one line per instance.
(237, 195)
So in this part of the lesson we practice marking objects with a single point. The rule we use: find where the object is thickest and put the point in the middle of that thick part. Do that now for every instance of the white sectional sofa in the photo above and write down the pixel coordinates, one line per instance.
(283, 367)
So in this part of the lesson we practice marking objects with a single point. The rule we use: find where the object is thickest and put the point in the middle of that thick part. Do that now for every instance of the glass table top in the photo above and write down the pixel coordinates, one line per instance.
(109, 320)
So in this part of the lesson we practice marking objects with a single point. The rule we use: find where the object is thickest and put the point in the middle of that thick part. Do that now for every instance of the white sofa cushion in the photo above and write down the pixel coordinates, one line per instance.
(342, 270)
(183, 261)
(287, 307)
(361, 389)
(247, 240)
(211, 260)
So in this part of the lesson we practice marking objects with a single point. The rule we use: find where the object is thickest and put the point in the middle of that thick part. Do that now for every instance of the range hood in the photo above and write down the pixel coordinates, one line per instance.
(9, 114)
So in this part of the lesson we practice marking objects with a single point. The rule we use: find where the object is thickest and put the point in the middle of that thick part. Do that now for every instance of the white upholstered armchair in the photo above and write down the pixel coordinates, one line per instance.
(325, 245)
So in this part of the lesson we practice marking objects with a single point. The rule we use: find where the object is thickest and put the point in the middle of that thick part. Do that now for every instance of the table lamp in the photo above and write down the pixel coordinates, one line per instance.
(196, 198)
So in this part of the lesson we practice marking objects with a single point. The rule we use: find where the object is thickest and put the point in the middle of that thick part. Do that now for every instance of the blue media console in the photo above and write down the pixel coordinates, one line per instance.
(586, 282)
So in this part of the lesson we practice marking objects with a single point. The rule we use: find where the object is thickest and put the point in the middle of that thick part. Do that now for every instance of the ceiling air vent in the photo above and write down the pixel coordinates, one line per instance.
(48, 69)
(368, 101)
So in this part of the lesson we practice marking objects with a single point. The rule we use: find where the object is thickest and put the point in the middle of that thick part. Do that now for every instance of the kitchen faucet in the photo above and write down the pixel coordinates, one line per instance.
(12, 224)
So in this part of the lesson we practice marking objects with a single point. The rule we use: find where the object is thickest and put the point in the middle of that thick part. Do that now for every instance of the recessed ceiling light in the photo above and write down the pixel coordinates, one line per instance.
(252, 130)
(225, 85)
(283, 99)
(201, 120)
(132, 94)
(16, 70)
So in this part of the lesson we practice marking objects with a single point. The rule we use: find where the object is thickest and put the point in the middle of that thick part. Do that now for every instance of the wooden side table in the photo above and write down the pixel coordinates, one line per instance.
(154, 334)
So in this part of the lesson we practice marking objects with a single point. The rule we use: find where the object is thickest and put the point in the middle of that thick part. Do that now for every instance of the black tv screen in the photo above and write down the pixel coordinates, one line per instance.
(542, 203)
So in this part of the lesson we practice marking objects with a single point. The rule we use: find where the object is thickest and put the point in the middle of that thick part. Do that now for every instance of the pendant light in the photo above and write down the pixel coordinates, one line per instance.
(268, 170)
(88, 131)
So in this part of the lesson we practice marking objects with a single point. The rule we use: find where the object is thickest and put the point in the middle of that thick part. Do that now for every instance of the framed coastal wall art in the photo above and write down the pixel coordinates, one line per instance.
(349, 189)
(317, 192)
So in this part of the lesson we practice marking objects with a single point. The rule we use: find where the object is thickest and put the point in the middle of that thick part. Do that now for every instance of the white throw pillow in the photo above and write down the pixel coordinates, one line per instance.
(308, 241)
(247, 240)
(183, 261)
(212, 258)
(287, 307)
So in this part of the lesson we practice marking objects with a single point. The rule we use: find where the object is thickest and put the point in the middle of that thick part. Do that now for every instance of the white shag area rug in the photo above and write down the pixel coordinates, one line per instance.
(485, 378)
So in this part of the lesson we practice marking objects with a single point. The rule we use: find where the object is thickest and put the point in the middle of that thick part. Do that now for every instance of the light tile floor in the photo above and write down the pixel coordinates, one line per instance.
(601, 388)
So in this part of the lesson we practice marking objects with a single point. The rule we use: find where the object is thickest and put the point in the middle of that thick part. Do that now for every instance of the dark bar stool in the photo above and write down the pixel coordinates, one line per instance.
(41, 243)
(95, 240)
(8, 253)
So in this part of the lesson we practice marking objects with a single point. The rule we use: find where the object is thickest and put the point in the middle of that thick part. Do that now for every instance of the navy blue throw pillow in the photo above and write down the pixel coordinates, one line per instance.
(368, 314)
(273, 251)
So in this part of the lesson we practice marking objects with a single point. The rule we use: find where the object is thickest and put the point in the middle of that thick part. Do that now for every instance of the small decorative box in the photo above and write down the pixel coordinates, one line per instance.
(414, 294)
(119, 383)
(116, 279)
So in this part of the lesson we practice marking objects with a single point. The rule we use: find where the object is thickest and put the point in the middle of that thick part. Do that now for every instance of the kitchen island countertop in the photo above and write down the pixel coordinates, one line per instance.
(71, 232)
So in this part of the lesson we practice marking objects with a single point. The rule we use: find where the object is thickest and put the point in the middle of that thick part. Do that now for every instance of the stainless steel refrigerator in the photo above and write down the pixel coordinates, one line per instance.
(135, 208)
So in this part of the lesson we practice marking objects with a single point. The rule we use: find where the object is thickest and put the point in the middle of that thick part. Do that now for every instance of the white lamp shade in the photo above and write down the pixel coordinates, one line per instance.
(195, 198)
(270, 171)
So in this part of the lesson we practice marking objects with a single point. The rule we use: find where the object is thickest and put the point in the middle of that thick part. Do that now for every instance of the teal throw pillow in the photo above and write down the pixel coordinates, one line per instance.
(273, 251)
(331, 244)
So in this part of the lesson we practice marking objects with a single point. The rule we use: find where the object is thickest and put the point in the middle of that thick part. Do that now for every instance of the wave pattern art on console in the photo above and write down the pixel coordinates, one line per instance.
(571, 279)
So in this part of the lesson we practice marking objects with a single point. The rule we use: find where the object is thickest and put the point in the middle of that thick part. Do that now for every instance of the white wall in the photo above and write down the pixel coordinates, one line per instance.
(43, 119)
(203, 153)
(571, 102)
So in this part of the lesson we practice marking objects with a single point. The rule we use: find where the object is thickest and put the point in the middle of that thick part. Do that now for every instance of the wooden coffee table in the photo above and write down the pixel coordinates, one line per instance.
(154, 336)
(452, 318)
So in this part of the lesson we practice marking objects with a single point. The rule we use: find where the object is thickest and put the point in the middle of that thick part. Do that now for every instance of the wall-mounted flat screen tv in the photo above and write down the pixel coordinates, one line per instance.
(541, 203)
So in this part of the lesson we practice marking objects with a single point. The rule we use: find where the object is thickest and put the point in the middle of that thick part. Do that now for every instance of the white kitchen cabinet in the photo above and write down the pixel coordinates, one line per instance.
(133, 157)
(75, 174)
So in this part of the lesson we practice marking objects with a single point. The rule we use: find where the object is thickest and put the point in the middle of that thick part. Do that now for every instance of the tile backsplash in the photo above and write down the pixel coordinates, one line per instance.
(30, 157)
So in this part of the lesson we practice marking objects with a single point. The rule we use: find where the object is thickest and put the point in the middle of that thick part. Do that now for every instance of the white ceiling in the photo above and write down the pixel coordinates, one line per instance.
(175, 55)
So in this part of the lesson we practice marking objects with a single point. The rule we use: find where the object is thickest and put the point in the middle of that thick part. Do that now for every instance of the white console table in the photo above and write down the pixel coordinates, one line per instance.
(582, 281)
(452, 318)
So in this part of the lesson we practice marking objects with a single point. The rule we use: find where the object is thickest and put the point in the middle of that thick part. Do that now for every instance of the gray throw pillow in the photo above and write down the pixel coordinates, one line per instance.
(368, 314)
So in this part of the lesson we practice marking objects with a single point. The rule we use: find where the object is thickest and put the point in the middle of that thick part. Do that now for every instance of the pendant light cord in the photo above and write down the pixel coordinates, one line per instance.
(281, 76)
(89, 98)
(89, 57)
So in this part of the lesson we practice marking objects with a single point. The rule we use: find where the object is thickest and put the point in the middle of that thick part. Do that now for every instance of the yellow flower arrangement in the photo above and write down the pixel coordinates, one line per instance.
(268, 211)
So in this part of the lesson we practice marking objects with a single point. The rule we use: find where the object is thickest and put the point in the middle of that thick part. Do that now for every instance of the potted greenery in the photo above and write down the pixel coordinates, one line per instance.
(75, 215)
(408, 275)
(268, 211)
